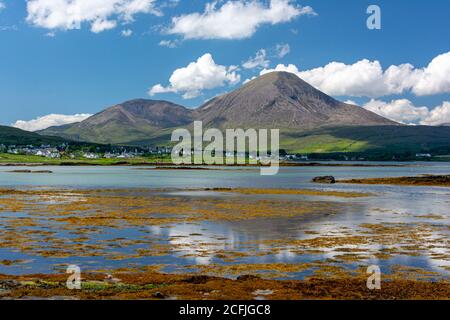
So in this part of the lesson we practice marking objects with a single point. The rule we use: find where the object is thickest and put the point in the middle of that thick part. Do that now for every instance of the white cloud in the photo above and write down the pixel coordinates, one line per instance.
(438, 115)
(200, 75)
(363, 78)
(2, 5)
(169, 43)
(126, 33)
(170, 4)
(9, 28)
(248, 80)
(435, 78)
(235, 19)
(282, 50)
(100, 14)
(405, 111)
(102, 25)
(368, 79)
(401, 110)
(50, 120)
(258, 61)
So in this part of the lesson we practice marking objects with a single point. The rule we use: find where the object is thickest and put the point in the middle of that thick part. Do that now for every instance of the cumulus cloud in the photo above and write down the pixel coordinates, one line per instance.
(435, 78)
(439, 115)
(102, 25)
(248, 80)
(404, 111)
(200, 75)
(235, 19)
(282, 50)
(126, 33)
(363, 78)
(50, 120)
(368, 79)
(401, 110)
(100, 14)
(260, 60)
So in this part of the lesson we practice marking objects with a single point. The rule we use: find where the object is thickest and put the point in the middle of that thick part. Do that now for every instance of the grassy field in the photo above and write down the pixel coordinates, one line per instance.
(371, 139)
(28, 159)
(388, 139)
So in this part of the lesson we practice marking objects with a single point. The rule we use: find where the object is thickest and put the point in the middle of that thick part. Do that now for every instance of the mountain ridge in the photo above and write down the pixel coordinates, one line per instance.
(136, 118)
(275, 100)
(310, 121)
(282, 100)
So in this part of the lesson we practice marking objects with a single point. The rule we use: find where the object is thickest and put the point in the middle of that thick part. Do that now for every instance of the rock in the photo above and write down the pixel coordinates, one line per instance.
(8, 284)
(325, 179)
(111, 279)
(198, 279)
(262, 292)
(158, 295)
(247, 277)
(4, 292)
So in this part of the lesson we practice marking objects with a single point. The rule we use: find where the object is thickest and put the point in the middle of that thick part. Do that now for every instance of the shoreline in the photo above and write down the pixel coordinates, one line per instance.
(161, 286)
(171, 166)
(423, 180)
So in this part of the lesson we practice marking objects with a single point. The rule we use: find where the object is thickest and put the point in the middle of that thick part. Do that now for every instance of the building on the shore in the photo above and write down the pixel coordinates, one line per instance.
(91, 155)
(423, 155)
(42, 151)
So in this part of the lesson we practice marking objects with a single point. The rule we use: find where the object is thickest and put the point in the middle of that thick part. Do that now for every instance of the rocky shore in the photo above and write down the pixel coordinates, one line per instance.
(157, 286)
(424, 180)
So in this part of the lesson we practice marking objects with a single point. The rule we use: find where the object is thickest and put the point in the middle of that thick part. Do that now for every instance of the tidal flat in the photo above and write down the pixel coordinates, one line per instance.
(424, 180)
(210, 235)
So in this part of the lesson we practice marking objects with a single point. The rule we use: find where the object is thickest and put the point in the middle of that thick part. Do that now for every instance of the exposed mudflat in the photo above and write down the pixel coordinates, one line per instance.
(169, 244)
(157, 286)
(424, 180)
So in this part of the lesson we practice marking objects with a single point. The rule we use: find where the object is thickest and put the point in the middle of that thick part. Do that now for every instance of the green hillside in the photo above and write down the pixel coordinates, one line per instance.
(14, 136)
(389, 139)
(366, 139)
(112, 133)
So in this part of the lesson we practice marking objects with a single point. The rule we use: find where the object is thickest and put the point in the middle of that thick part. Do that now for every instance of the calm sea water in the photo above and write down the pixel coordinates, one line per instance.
(397, 200)
(131, 177)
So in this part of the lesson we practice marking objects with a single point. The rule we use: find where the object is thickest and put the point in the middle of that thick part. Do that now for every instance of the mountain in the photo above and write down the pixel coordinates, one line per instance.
(275, 100)
(14, 136)
(310, 121)
(282, 100)
(125, 123)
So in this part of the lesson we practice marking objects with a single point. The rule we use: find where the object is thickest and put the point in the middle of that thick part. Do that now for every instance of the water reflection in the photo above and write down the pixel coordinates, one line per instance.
(265, 240)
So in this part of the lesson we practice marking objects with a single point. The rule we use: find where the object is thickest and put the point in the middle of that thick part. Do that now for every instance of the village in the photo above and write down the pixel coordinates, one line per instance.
(64, 150)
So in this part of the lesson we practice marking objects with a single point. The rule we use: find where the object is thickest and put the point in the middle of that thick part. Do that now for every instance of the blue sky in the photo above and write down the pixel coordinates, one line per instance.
(49, 65)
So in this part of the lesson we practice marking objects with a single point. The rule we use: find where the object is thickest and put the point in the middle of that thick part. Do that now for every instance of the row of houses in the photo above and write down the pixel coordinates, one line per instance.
(61, 150)
(42, 151)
